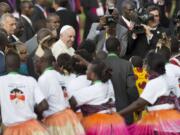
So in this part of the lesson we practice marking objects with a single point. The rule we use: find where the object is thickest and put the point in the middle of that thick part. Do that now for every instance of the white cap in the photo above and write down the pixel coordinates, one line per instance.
(65, 27)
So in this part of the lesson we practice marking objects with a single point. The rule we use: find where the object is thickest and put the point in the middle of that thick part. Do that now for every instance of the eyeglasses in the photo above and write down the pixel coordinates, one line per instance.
(156, 15)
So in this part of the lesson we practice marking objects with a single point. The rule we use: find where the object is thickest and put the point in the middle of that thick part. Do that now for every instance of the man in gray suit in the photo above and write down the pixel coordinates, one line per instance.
(100, 35)
(122, 77)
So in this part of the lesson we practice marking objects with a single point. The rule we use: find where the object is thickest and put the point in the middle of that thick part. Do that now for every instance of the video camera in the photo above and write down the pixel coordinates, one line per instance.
(142, 17)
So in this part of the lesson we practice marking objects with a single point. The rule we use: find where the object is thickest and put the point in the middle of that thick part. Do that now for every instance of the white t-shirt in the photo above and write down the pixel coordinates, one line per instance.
(172, 70)
(160, 86)
(68, 78)
(51, 88)
(95, 94)
(18, 96)
(77, 83)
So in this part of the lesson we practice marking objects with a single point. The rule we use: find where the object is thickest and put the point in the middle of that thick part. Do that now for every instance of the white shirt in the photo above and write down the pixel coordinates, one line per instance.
(77, 83)
(68, 78)
(59, 47)
(160, 86)
(1, 52)
(19, 95)
(172, 70)
(60, 8)
(49, 84)
(95, 94)
(27, 19)
(128, 23)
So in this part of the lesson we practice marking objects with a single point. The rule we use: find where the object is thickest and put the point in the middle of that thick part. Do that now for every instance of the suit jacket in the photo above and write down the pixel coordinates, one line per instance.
(28, 30)
(141, 45)
(2, 63)
(38, 18)
(100, 37)
(67, 17)
(123, 81)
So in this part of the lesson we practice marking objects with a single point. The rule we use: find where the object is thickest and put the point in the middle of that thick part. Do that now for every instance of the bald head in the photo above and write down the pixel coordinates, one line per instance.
(12, 60)
(67, 35)
(27, 8)
(128, 8)
(53, 21)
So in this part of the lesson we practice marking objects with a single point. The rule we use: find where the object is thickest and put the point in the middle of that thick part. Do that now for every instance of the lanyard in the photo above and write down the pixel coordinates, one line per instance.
(13, 73)
(48, 68)
(97, 81)
(112, 55)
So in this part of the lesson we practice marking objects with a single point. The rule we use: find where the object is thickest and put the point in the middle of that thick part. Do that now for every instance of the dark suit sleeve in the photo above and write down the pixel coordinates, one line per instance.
(164, 21)
(131, 43)
(131, 85)
(2, 64)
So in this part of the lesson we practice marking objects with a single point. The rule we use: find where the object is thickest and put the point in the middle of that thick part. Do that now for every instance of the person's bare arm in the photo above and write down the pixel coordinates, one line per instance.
(42, 106)
(135, 106)
(73, 103)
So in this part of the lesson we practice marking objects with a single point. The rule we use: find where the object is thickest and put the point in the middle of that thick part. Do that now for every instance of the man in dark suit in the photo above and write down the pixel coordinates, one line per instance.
(99, 32)
(3, 43)
(142, 43)
(39, 15)
(26, 12)
(9, 24)
(66, 16)
(123, 79)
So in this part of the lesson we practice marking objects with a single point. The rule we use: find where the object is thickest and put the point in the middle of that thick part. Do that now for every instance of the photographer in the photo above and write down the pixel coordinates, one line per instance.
(145, 35)
(108, 27)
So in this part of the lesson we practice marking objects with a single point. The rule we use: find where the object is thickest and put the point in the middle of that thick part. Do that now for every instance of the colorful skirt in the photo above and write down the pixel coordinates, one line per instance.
(163, 122)
(79, 115)
(31, 127)
(104, 124)
(64, 123)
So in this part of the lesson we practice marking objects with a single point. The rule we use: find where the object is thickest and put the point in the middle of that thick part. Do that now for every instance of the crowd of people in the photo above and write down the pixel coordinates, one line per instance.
(120, 77)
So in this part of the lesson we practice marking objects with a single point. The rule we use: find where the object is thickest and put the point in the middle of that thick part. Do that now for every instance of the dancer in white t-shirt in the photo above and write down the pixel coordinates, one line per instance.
(64, 67)
(19, 95)
(58, 118)
(162, 96)
(97, 103)
(80, 81)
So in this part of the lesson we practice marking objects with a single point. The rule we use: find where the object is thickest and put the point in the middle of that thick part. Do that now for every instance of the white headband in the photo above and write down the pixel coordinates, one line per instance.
(65, 27)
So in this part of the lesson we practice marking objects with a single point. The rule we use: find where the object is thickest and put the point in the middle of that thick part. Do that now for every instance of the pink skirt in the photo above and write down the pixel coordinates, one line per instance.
(104, 124)
(163, 122)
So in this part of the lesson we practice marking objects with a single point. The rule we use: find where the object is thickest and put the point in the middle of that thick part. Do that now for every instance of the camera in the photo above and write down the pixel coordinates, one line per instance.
(142, 17)
(109, 21)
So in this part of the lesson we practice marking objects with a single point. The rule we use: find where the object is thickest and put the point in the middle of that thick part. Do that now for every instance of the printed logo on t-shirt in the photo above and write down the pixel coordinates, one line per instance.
(17, 96)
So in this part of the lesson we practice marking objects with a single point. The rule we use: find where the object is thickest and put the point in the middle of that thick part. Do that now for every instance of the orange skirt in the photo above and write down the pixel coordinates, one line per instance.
(79, 115)
(64, 123)
(31, 127)
(104, 124)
